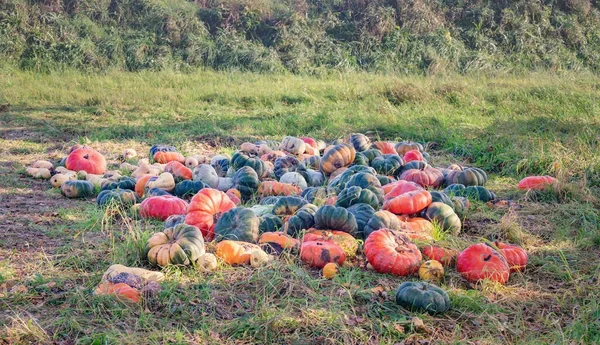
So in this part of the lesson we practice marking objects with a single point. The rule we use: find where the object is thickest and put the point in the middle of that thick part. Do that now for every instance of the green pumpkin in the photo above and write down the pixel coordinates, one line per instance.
(238, 224)
(179, 245)
(304, 219)
(174, 220)
(362, 213)
(77, 189)
(336, 218)
(383, 180)
(460, 205)
(359, 141)
(455, 189)
(371, 154)
(467, 177)
(287, 164)
(387, 164)
(241, 159)
(367, 181)
(246, 181)
(421, 296)
(441, 197)
(288, 205)
(187, 188)
(269, 223)
(312, 162)
(339, 182)
(356, 195)
(479, 193)
(124, 182)
(121, 197)
(443, 215)
(221, 166)
(381, 220)
(360, 159)
(261, 210)
(419, 165)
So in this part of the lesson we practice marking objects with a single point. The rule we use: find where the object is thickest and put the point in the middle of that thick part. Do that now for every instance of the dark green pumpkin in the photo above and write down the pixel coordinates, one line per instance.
(77, 189)
(460, 205)
(221, 166)
(479, 193)
(385, 179)
(381, 220)
(269, 223)
(443, 215)
(238, 224)
(367, 181)
(356, 195)
(360, 159)
(124, 182)
(304, 219)
(117, 197)
(288, 205)
(387, 164)
(359, 141)
(339, 182)
(419, 165)
(421, 296)
(187, 188)
(287, 164)
(336, 218)
(182, 244)
(371, 154)
(441, 197)
(241, 159)
(455, 189)
(362, 213)
(467, 177)
(246, 181)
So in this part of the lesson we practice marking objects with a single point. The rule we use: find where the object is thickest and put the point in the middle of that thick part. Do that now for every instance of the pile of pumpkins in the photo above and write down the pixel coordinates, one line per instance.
(302, 196)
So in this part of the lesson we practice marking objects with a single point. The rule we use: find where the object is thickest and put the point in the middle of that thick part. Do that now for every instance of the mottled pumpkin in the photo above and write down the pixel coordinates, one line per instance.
(443, 215)
(419, 165)
(405, 146)
(339, 156)
(387, 164)
(390, 252)
(293, 145)
(77, 189)
(421, 296)
(303, 219)
(180, 245)
(362, 213)
(117, 197)
(179, 171)
(343, 239)
(187, 188)
(359, 141)
(238, 224)
(318, 254)
(241, 159)
(356, 195)
(428, 177)
(381, 220)
(124, 182)
(467, 177)
(246, 181)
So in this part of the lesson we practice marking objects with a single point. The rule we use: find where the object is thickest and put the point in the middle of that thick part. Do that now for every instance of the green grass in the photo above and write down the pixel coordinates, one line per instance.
(510, 125)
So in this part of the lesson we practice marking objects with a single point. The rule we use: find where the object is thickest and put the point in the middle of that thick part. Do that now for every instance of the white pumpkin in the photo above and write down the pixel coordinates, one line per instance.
(225, 183)
(293, 145)
(295, 179)
(206, 174)
(165, 181)
(43, 164)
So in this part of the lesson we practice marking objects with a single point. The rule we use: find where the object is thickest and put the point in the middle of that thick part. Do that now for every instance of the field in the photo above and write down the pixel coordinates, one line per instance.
(53, 250)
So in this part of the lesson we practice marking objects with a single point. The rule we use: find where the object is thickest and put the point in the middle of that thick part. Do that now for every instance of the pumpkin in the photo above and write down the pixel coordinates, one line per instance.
(460, 205)
(359, 141)
(405, 146)
(86, 159)
(122, 183)
(419, 165)
(422, 296)
(180, 245)
(536, 182)
(316, 178)
(413, 155)
(235, 196)
(269, 223)
(42, 164)
(366, 181)
(381, 220)
(140, 185)
(240, 159)
(408, 203)
(293, 145)
(145, 169)
(480, 261)
(221, 165)
(390, 252)
(416, 228)
(58, 179)
(206, 263)
(123, 197)
(156, 192)
(467, 177)
(174, 220)
(302, 220)
(205, 209)
(238, 224)
(330, 270)
(259, 258)
(338, 183)
(246, 181)
(289, 205)
(342, 239)
(355, 195)
(446, 257)
(312, 162)
(186, 188)
(431, 270)
(387, 164)
(316, 195)
(41, 173)
(164, 181)
(318, 254)
(402, 187)
(294, 179)
(286, 164)
(161, 148)
(385, 147)
(235, 252)
(166, 157)
(225, 184)
(441, 197)
(516, 257)
(336, 218)
(77, 189)
(428, 177)
(272, 156)
(371, 154)
(338, 157)
(249, 148)
(443, 215)
(360, 159)
(383, 180)
(122, 291)
(473, 192)
(278, 240)
(362, 213)
(161, 207)
(178, 170)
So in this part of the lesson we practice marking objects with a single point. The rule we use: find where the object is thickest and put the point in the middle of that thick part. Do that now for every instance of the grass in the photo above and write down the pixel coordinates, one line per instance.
(54, 251)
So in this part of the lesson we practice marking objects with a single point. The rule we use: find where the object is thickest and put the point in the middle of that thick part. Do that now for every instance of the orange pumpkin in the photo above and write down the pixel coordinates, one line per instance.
(330, 270)
(86, 159)
(390, 252)
(343, 239)
(318, 254)
(122, 291)
(235, 196)
(274, 188)
(408, 203)
(445, 256)
(178, 170)
(166, 157)
(428, 177)
(140, 185)
(385, 147)
(339, 156)
(278, 238)
(235, 252)
(401, 188)
(536, 182)
(206, 207)
(416, 228)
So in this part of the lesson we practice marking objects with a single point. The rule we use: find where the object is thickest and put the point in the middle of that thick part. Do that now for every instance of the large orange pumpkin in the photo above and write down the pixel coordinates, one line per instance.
(318, 254)
(86, 159)
(339, 156)
(343, 239)
(388, 251)
(402, 187)
(206, 207)
(408, 203)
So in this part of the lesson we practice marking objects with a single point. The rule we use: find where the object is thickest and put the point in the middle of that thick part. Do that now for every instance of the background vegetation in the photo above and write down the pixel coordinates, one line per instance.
(406, 36)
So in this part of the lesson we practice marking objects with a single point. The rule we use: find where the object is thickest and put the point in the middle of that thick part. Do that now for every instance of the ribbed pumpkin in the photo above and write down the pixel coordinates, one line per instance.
(77, 189)
(446, 257)
(441, 197)
(356, 195)
(359, 141)
(400, 188)
(428, 177)
(180, 245)
(472, 192)
(336, 218)
(124, 182)
(536, 182)
(516, 257)
(289, 205)
(241, 159)
(270, 188)
(86, 159)
(388, 164)
(421, 296)
(419, 165)
(312, 162)
(317, 195)
(161, 207)
(303, 219)
(385, 147)
(371, 154)
(405, 146)
(174, 220)
(362, 213)
(467, 177)
(337, 157)
(278, 240)
(187, 188)
(408, 203)
(237, 224)
(413, 155)
(205, 209)
(385, 180)
(480, 261)
(178, 170)
(166, 157)
(246, 181)
(416, 228)
(120, 197)
(360, 159)
(342, 239)
(283, 165)
(381, 220)
(293, 145)
(390, 252)
(366, 181)
(164, 148)
(444, 215)
(269, 223)
(318, 254)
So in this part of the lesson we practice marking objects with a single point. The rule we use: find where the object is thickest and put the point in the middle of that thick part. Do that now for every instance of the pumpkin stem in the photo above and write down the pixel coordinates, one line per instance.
(487, 258)
(86, 156)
